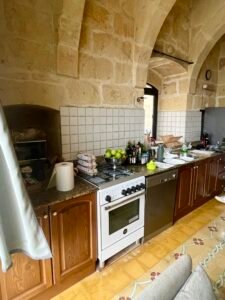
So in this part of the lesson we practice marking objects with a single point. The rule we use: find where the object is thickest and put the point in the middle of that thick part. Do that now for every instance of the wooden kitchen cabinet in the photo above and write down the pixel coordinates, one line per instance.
(184, 191)
(27, 277)
(221, 174)
(221, 182)
(190, 188)
(70, 228)
(199, 176)
(73, 235)
(199, 182)
(212, 172)
(222, 163)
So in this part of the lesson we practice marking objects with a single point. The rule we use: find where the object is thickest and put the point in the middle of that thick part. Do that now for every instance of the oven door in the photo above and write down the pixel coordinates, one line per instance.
(121, 217)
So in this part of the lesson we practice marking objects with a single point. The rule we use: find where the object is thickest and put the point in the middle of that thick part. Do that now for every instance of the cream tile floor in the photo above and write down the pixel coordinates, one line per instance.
(131, 266)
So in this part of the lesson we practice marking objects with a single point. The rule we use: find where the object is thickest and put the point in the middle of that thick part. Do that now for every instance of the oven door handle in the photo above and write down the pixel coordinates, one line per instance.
(126, 200)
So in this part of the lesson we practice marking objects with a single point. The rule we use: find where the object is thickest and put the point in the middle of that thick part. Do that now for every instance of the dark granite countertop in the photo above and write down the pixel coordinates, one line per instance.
(52, 196)
(142, 169)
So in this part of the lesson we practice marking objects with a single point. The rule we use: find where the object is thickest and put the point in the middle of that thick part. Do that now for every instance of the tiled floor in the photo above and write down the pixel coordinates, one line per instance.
(117, 276)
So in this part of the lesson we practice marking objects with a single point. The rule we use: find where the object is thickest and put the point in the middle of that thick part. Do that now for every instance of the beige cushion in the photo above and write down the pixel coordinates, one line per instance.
(197, 287)
(167, 285)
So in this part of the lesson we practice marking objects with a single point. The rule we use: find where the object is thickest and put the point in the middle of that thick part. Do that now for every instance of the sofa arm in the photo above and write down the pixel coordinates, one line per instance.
(167, 285)
(197, 287)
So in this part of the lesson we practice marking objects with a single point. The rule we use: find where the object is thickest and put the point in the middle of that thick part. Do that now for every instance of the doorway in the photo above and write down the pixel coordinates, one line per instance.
(151, 109)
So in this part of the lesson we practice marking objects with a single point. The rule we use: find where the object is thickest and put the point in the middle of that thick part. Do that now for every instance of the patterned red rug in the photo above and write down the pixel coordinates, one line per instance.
(206, 247)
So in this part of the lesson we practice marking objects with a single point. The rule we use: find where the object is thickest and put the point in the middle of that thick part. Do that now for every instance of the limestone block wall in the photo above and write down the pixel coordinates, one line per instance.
(174, 93)
(43, 48)
(94, 129)
(89, 52)
(220, 95)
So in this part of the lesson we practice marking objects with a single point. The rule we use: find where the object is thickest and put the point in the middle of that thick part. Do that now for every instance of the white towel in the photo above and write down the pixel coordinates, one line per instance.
(19, 228)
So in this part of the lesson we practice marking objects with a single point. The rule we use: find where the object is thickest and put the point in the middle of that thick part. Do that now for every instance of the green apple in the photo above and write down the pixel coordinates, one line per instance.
(108, 154)
(118, 155)
(113, 152)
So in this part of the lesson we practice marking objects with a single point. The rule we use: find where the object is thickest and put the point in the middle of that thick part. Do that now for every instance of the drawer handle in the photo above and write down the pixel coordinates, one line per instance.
(45, 216)
(54, 214)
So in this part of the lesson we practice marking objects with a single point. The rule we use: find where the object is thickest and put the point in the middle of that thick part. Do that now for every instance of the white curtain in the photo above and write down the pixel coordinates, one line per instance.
(19, 228)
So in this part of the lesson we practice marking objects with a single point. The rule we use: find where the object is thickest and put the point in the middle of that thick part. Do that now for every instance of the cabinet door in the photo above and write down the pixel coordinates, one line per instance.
(183, 195)
(199, 183)
(221, 182)
(213, 169)
(73, 232)
(221, 163)
(27, 278)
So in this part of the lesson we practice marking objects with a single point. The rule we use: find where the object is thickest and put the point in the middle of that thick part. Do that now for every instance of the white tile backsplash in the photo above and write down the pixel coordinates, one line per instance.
(94, 129)
(73, 111)
(171, 123)
(184, 123)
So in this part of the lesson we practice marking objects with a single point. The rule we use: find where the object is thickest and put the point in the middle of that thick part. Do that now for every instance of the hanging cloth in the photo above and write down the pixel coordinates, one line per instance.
(19, 228)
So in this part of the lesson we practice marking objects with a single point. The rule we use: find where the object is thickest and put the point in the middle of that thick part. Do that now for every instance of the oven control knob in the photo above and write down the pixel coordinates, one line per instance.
(138, 187)
(108, 198)
(133, 189)
(128, 191)
(124, 192)
(142, 186)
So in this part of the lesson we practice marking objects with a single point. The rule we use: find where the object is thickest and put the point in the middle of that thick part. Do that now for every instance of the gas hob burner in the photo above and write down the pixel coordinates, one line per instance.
(107, 175)
(116, 173)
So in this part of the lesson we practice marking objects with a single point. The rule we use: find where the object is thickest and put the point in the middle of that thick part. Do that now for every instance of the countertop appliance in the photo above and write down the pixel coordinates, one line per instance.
(159, 203)
(120, 208)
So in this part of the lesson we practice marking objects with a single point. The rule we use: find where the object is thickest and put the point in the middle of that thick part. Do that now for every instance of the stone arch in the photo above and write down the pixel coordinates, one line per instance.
(209, 44)
(203, 42)
(69, 29)
(149, 18)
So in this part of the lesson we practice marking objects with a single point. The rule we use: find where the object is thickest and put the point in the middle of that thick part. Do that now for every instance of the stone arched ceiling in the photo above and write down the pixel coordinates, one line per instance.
(208, 26)
(165, 67)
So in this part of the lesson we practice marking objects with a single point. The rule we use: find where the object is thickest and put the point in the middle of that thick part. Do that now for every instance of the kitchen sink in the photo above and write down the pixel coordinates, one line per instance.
(174, 161)
(202, 152)
(162, 165)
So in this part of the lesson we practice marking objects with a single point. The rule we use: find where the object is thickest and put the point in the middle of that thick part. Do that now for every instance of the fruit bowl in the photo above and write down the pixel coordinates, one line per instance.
(115, 161)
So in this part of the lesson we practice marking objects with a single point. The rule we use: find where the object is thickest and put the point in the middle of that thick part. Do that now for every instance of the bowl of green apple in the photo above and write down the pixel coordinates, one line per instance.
(115, 157)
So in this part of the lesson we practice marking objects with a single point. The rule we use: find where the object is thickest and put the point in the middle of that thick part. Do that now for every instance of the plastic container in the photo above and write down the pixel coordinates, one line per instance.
(160, 152)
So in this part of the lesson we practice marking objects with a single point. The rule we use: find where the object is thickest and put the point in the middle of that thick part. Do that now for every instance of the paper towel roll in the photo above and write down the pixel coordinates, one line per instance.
(64, 176)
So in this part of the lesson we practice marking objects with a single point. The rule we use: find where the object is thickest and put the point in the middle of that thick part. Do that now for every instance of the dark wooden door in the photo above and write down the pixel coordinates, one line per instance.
(221, 163)
(213, 170)
(199, 183)
(184, 191)
(27, 278)
(221, 183)
(73, 232)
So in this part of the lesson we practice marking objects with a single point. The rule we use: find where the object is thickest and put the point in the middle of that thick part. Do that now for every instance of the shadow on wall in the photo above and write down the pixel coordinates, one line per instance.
(214, 124)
